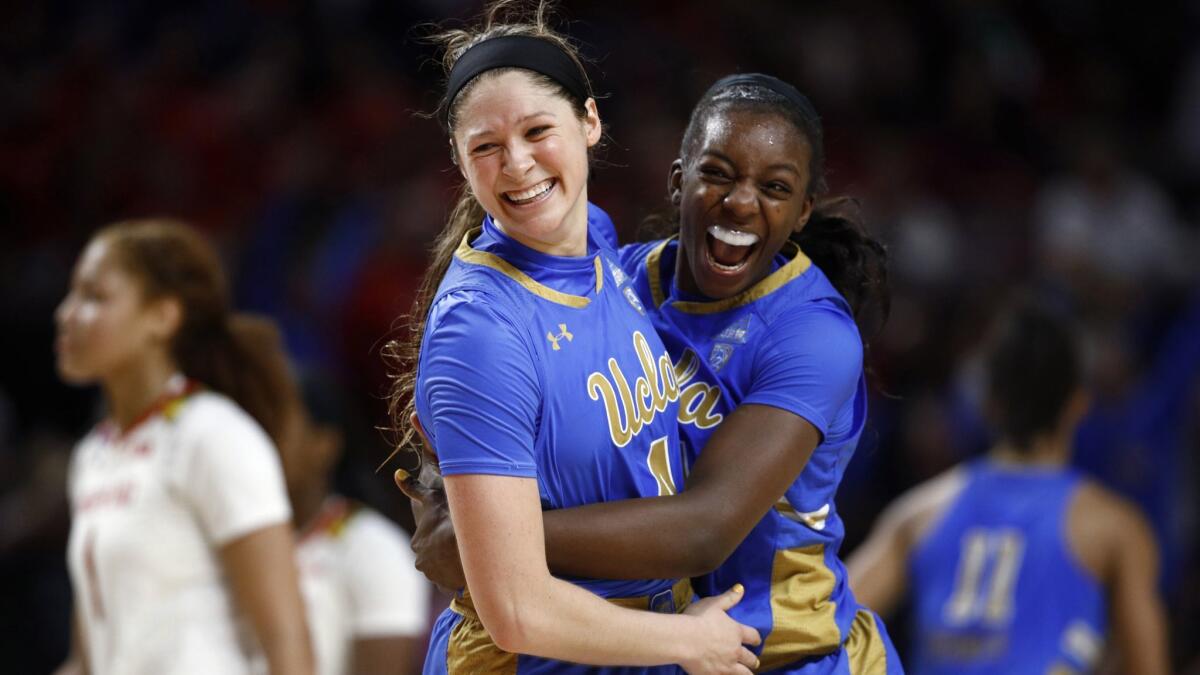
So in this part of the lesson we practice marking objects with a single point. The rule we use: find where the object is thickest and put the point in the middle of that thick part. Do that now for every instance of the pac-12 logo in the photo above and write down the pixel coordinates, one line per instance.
(563, 334)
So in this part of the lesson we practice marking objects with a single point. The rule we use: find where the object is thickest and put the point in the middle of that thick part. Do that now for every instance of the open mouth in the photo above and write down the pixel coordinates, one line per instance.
(729, 250)
(531, 195)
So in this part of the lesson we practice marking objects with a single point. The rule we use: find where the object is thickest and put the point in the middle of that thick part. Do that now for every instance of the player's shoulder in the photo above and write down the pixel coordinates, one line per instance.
(1098, 511)
(206, 411)
(919, 509)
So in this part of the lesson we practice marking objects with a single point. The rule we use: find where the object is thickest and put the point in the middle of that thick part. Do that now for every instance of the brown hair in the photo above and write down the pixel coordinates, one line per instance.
(500, 18)
(238, 355)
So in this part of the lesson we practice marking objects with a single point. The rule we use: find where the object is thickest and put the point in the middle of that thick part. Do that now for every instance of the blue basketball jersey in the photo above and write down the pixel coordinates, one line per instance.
(994, 586)
(541, 367)
(789, 342)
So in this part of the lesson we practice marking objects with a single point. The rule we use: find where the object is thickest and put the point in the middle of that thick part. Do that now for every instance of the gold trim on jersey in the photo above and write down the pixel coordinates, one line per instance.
(471, 650)
(814, 519)
(654, 274)
(473, 257)
(865, 649)
(803, 615)
(798, 265)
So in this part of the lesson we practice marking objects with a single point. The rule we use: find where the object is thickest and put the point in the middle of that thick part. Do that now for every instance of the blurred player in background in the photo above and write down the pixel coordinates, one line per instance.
(367, 605)
(1014, 562)
(181, 549)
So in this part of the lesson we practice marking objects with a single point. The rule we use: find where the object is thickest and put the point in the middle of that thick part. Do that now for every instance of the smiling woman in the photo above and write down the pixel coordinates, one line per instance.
(525, 332)
(755, 300)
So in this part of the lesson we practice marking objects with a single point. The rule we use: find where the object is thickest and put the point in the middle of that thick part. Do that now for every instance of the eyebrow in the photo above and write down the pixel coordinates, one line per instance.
(792, 168)
(483, 132)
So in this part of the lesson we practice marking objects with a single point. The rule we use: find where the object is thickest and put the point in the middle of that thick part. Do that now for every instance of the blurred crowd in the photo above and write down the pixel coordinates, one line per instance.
(1049, 146)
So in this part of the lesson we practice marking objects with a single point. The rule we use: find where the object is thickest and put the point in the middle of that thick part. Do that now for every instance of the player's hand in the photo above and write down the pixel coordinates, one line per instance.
(433, 542)
(717, 640)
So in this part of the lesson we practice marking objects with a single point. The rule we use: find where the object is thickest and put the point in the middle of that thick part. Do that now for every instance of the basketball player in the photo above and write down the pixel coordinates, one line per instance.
(1014, 562)
(366, 603)
(530, 353)
(181, 551)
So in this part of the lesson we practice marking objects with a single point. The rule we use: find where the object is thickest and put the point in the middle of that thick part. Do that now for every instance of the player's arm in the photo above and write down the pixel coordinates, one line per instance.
(1139, 621)
(526, 610)
(746, 466)
(689, 534)
(878, 568)
(744, 469)
(262, 574)
(805, 368)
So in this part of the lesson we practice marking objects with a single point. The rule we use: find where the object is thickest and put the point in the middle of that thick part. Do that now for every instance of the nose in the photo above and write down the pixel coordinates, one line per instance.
(62, 311)
(741, 202)
(518, 160)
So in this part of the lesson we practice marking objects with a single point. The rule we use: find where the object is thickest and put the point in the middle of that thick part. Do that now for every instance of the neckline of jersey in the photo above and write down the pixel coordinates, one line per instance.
(178, 387)
(469, 254)
(797, 265)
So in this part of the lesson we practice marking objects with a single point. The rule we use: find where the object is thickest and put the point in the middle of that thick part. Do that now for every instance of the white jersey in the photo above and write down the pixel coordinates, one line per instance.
(150, 508)
(358, 578)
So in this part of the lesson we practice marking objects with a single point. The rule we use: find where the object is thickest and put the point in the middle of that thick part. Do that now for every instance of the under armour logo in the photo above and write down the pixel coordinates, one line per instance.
(562, 333)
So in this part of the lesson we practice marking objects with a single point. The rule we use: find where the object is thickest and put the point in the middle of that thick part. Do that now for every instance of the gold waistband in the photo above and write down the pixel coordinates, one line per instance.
(672, 600)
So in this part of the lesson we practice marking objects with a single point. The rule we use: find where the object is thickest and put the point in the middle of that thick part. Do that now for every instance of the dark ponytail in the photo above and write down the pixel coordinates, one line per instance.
(238, 355)
(836, 240)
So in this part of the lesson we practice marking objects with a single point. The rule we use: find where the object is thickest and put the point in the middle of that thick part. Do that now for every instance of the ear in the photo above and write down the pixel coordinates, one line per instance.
(805, 213)
(166, 317)
(592, 128)
(454, 157)
(675, 182)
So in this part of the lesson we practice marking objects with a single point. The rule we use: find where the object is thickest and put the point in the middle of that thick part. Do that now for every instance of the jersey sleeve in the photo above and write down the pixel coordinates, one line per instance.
(809, 363)
(478, 394)
(388, 595)
(231, 473)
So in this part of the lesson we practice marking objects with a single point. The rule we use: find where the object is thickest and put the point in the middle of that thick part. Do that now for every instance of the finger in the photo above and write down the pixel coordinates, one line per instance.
(747, 658)
(731, 597)
(750, 636)
(410, 486)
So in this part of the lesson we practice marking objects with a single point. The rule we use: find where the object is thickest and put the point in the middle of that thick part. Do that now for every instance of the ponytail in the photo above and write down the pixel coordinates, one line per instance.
(400, 355)
(240, 356)
(243, 358)
(837, 241)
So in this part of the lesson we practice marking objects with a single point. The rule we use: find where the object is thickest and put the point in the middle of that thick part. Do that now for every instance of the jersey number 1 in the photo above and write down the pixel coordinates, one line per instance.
(986, 577)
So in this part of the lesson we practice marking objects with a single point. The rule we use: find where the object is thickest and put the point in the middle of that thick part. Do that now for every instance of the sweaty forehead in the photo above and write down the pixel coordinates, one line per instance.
(753, 135)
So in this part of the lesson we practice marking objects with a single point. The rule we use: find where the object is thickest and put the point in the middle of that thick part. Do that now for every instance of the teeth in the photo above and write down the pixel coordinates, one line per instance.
(732, 237)
(535, 191)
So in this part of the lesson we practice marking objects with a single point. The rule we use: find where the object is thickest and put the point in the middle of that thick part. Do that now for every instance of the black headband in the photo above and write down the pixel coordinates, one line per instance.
(515, 51)
(775, 84)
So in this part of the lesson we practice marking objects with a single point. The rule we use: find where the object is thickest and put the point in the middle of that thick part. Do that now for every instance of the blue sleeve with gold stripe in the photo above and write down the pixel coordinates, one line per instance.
(808, 364)
(479, 422)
